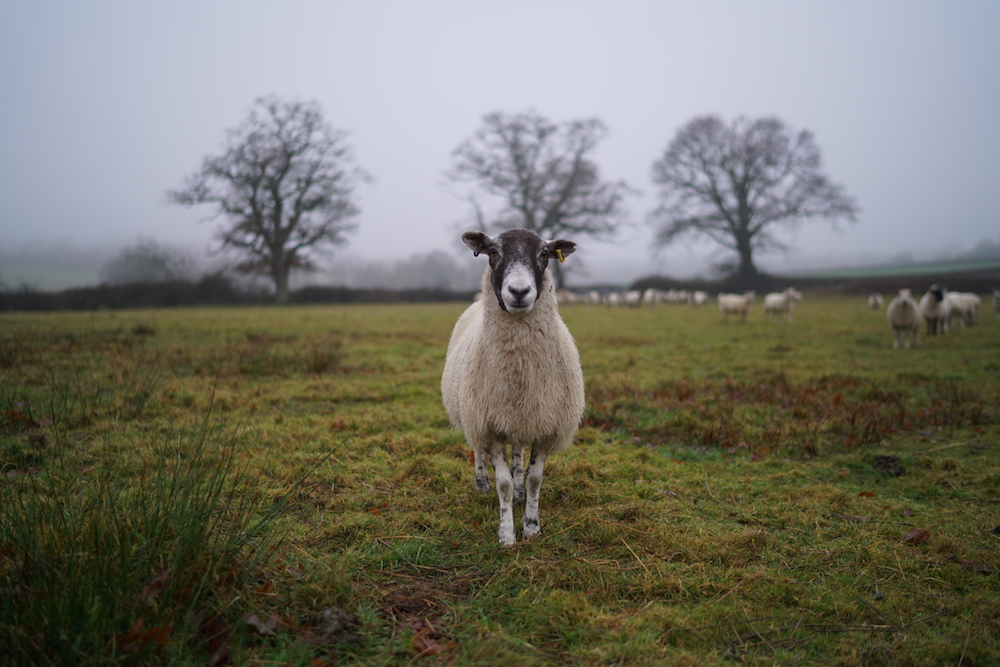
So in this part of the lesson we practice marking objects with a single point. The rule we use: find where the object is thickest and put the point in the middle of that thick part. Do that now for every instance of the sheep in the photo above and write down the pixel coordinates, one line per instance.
(904, 316)
(781, 302)
(965, 305)
(632, 299)
(697, 298)
(564, 296)
(512, 373)
(734, 303)
(875, 301)
(934, 308)
(651, 297)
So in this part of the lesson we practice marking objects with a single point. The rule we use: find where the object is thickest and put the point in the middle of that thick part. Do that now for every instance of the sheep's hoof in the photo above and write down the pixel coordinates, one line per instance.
(507, 541)
(531, 530)
(482, 485)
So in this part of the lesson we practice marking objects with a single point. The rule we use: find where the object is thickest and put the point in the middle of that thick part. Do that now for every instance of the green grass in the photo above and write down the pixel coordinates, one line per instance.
(280, 486)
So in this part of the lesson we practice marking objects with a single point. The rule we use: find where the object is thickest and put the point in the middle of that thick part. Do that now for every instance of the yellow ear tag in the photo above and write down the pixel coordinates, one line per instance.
(559, 255)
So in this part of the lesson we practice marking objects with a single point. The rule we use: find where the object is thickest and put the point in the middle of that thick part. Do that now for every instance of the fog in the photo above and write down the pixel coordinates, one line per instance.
(107, 105)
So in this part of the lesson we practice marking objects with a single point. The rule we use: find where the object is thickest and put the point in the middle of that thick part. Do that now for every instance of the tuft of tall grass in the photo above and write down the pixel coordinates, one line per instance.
(101, 564)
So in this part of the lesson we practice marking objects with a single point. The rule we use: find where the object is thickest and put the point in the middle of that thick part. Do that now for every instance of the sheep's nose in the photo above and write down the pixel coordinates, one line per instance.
(519, 292)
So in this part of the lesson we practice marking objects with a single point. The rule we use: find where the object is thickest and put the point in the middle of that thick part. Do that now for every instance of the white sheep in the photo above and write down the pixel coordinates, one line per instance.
(904, 317)
(734, 303)
(652, 297)
(632, 298)
(781, 302)
(875, 301)
(935, 310)
(964, 306)
(512, 374)
(698, 298)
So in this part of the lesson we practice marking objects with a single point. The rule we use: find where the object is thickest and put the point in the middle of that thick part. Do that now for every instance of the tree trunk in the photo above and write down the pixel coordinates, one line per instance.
(747, 269)
(280, 274)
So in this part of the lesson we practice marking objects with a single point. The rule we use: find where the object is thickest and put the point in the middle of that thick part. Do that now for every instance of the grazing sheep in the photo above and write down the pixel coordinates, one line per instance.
(904, 316)
(697, 298)
(780, 302)
(613, 299)
(593, 298)
(875, 301)
(965, 306)
(632, 298)
(734, 303)
(934, 308)
(652, 297)
(512, 374)
(564, 296)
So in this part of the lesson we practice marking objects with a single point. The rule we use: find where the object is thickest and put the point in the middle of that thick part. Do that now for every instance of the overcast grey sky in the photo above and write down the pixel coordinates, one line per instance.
(106, 105)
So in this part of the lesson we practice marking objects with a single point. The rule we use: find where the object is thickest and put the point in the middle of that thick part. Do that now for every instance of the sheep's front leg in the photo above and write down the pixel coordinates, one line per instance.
(895, 339)
(533, 484)
(482, 478)
(517, 470)
(505, 492)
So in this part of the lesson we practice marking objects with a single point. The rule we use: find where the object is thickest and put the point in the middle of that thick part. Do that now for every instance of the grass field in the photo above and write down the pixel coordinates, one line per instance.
(278, 486)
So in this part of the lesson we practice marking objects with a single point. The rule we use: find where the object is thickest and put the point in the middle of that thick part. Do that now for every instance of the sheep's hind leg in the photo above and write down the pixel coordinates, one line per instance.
(482, 478)
(533, 484)
(517, 471)
(505, 492)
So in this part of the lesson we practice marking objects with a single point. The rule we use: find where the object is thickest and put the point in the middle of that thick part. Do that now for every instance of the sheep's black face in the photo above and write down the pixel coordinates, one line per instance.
(937, 292)
(518, 258)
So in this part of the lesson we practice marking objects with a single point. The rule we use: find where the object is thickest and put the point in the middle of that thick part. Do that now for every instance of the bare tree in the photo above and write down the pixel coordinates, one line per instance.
(737, 184)
(148, 261)
(285, 183)
(542, 176)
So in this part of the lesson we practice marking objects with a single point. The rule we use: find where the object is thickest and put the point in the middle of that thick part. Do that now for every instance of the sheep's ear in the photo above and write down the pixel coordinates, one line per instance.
(560, 248)
(478, 241)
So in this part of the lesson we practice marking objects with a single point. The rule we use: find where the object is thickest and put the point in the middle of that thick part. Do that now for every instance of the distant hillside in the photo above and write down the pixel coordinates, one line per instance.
(980, 277)
(914, 269)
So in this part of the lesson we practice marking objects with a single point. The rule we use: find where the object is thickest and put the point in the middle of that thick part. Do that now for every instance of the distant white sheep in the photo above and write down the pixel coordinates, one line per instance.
(652, 297)
(875, 301)
(935, 310)
(632, 298)
(904, 317)
(512, 374)
(698, 298)
(776, 303)
(734, 303)
(964, 306)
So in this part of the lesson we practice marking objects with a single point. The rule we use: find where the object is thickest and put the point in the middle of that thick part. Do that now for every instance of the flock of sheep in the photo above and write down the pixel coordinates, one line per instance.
(775, 304)
(512, 376)
(938, 308)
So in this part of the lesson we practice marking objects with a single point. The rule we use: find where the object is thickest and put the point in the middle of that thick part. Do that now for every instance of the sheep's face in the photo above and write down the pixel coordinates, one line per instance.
(518, 258)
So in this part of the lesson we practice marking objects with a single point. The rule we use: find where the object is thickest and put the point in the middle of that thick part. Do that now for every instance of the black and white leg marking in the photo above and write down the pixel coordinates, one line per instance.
(533, 485)
(482, 477)
(517, 471)
(505, 492)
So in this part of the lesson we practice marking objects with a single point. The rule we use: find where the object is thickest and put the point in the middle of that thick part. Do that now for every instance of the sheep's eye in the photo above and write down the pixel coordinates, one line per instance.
(544, 255)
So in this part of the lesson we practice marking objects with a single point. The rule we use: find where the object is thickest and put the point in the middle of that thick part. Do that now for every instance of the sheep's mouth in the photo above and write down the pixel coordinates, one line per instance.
(519, 306)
